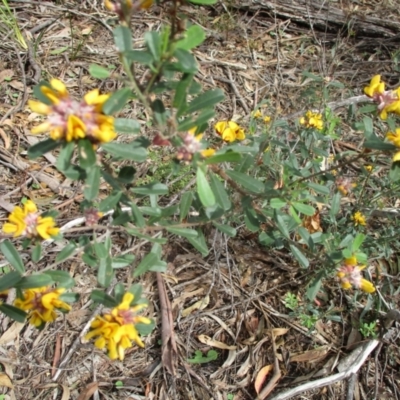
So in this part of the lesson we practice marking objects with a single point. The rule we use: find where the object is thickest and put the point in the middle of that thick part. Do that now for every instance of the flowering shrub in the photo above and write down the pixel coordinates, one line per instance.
(287, 189)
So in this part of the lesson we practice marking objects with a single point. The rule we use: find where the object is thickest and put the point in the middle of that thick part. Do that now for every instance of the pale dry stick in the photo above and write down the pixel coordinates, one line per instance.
(347, 367)
(277, 372)
(236, 91)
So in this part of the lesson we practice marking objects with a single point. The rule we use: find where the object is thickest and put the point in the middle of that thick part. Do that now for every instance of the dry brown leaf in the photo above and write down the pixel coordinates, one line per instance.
(261, 375)
(6, 74)
(88, 391)
(17, 85)
(279, 331)
(5, 138)
(5, 381)
(66, 393)
(11, 333)
(199, 305)
(215, 343)
(310, 355)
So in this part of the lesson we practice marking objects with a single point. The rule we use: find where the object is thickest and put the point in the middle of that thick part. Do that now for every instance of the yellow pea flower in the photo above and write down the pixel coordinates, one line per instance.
(28, 222)
(71, 120)
(42, 304)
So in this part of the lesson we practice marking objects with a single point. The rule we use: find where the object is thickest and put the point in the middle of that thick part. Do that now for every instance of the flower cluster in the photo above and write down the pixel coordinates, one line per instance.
(388, 100)
(116, 330)
(229, 131)
(28, 222)
(312, 120)
(258, 115)
(41, 304)
(191, 145)
(350, 275)
(345, 185)
(359, 218)
(71, 120)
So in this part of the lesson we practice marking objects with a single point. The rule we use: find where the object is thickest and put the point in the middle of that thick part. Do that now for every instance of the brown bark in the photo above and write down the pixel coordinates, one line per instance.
(322, 14)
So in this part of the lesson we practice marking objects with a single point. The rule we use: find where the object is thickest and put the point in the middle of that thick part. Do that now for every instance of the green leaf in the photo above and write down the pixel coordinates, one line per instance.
(110, 201)
(181, 94)
(221, 196)
(126, 151)
(304, 208)
(200, 359)
(206, 100)
(151, 211)
(66, 252)
(203, 118)
(186, 62)
(62, 278)
(145, 329)
(144, 266)
(136, 233)
(185, 204)
(122, 38)
(150, 189)
(90, 260)
(37, 253)
(105, 273)
(64, 157)
(34, 281)
(193, 37)
(12, 256)
(335, 204)
(142, 57)
(122, 261)
(137, 216)
(184, 232)
(394, 173)
(100, 250)
(377, 144)
(9, 280)
(13, 312)
(100, 297)
(153, 43)
(199, 243)
(318, 188)
(42, 147)
(86, 153)
(282, 226)
(301, 258)
(248, 182)
(228, 230)
(69, 297)
(277, 203)
(98, 72)
(358, 241)
(204, 190)
(126, 125)
(160, 113)
(92, 184)
(229, 156)
(314, 287)
(136, 289)
(116, 102)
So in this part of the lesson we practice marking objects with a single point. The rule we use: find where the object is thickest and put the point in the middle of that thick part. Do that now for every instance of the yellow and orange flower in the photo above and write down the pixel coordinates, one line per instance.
(191, 145)
(28, 222)
(229, 131)
(71, 120)
(350, 275)
(359, 218)
(312, 120)
(388, 100)
(116, 330)
(41, 304)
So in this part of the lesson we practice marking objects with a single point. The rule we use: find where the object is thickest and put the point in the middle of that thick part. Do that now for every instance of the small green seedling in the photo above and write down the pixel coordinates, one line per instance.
(119, 384)
(199, 358)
